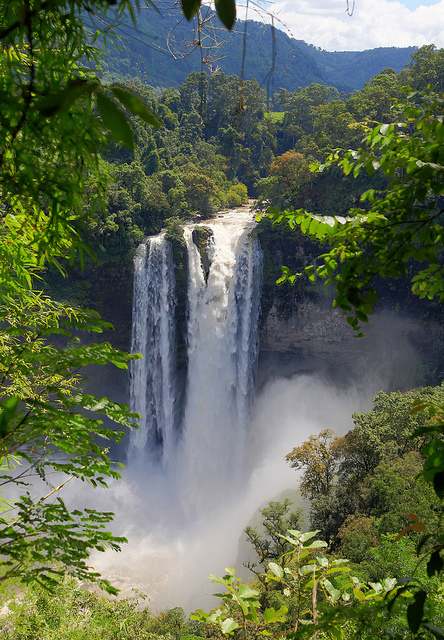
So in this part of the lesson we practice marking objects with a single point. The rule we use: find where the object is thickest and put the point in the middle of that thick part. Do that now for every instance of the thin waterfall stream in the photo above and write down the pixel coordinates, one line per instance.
(152, 378)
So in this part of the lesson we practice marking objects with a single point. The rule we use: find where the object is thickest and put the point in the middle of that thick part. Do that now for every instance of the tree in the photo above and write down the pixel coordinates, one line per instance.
(50, 429)
(334, 125)
(52, 178)
(319, 456)
(395, 489)
(377, 465)
(300, 104)
(375, 101)
(384, 434)
(427, 68)
(394, 226)
(315, 595)
(275, 521)
(288, 181)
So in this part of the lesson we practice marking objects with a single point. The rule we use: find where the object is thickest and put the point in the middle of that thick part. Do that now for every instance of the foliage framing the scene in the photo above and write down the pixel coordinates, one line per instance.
(51, 179)
(399, 225)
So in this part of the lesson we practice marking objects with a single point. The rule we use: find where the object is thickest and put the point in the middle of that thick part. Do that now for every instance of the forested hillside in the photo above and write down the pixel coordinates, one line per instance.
(218, 146)
(162, 52)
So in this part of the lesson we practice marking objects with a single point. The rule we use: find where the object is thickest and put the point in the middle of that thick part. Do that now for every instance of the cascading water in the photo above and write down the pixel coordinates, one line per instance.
(192, 484)
(152, 387)
(222, 351)
(204, 457)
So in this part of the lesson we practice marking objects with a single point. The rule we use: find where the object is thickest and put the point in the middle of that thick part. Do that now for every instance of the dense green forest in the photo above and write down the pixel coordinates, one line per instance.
(217, 147)
(74, 206)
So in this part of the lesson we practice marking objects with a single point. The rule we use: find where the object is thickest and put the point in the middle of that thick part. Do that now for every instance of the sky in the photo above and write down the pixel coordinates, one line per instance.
(374, 23)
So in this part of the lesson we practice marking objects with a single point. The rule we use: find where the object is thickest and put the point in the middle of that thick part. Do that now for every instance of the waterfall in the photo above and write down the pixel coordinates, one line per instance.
(205, 454)
(199, 467)
(152, 386)
(222, 350)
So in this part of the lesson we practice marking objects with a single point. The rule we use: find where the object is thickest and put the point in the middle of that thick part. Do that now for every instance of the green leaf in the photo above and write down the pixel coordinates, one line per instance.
(334, 631)
(305, 223)
(9, 408)
(438, 484)
(389, 584)
(435, 564)
(357, 169)
(308, 535)
(200, 615)
(346, 166)
(252, 616)
(247, 592)
(271, 616)
(62, 100)
(228, 626)
(115, 121)
(226, 10)
(415, 611)
(334, 593)
(362, 317)
(136, 106)
(316, 544)
(276, 569)
(433, 465)
(190, 8)
(337, 570)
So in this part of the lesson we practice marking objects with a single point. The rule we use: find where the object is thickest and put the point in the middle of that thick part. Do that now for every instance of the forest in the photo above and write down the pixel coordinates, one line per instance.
(88, 169)
(211, 154)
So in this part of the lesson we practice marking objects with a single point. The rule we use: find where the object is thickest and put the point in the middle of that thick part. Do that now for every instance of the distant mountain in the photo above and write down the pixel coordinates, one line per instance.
(354, 68)
(146, 53)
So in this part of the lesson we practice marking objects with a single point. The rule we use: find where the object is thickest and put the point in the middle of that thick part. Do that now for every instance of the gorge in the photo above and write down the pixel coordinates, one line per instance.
(208, 453)
(233, 381)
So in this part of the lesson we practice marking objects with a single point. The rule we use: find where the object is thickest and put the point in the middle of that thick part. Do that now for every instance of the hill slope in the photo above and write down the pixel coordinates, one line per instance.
(148, 54)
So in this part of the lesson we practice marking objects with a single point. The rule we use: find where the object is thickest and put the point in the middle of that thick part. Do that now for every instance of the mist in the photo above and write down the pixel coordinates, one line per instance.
(168, 556)
(188, 492)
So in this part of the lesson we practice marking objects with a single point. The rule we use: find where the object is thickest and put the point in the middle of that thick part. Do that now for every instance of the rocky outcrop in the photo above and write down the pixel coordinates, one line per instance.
(201, 238)
(308, 328)
(316, 333)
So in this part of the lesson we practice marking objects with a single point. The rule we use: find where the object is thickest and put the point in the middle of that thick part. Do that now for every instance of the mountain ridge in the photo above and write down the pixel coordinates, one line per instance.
(146, 54)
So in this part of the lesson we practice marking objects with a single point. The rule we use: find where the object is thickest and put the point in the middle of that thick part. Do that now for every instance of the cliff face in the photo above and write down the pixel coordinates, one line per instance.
(405, 336)
(310, 329)
(406, 351)
(299, 329)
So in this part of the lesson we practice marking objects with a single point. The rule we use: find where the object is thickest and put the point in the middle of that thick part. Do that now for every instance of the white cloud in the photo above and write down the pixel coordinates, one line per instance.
(374, 23)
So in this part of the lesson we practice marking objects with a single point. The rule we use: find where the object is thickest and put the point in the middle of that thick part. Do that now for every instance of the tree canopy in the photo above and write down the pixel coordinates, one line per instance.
(56, 119)
(318, 456)
(396, 232)
(394, 226)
